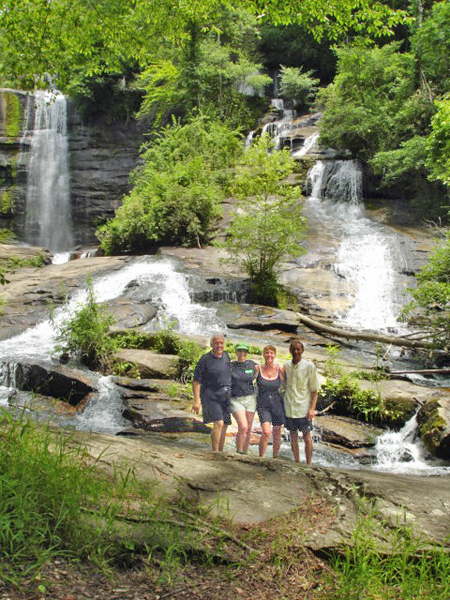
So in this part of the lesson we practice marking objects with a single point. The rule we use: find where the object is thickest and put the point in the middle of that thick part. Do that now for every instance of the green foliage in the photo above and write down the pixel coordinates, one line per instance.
(99, 38)
(125, 368)
(430, 303)
(12, 114)
(178, 191)
(383, 561)
(431, 43)
(365, 103)
(213, 70)
(438, 143)
(331, 366)
(189, 354)
(298, 85)
(45, 485)
(84, 334)
(350, 399)
(268, 226)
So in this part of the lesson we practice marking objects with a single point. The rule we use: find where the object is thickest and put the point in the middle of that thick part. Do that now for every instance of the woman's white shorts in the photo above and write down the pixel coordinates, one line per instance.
(247, 403)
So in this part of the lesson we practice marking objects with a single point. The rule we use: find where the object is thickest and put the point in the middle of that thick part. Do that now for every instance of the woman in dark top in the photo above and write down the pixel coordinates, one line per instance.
(269, 402)
(243, 398)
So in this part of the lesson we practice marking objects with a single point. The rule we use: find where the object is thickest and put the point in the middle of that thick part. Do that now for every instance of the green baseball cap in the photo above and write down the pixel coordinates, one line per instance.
(242, 346)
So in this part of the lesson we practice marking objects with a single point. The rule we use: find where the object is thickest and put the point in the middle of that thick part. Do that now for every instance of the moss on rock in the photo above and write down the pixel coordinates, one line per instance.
(434, 428)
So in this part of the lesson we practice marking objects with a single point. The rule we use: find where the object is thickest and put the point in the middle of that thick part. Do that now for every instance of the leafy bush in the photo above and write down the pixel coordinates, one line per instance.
(298, 85)
(177, 193)
(85, 334)
(350, 399)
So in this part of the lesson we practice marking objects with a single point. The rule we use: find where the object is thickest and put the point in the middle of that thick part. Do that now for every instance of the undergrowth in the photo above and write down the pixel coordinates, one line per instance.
(56, 501)
(405, 568)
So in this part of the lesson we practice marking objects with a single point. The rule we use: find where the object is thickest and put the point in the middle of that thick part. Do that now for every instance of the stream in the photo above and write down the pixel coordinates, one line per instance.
(369, 258)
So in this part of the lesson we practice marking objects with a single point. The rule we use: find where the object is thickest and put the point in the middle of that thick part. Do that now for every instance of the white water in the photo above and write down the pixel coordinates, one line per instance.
(154, 278)
(48, 215)
(369, 256)
(403, 452)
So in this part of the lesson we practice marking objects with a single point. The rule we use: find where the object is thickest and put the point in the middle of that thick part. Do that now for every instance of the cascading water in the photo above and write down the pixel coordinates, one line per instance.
(48, 215)
(402, 452)
(369, 256)
(152, 279)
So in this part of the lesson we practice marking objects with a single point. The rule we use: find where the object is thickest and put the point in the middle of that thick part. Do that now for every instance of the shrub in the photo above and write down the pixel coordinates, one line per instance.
(85, 334)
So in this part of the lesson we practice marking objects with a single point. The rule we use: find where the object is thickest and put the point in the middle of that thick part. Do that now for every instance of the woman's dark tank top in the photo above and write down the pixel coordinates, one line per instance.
(268, 390)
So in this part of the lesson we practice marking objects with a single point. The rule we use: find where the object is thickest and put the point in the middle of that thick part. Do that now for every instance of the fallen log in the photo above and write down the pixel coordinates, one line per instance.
(361, 335)
(421, 372)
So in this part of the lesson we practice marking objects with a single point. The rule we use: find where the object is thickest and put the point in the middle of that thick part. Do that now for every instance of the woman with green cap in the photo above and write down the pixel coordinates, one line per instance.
(243, 397)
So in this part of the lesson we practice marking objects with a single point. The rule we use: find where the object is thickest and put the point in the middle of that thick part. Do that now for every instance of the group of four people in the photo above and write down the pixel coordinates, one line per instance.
(222, 387)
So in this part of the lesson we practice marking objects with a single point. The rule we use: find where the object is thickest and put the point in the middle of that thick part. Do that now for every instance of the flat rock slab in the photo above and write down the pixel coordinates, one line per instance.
(252, 490)
(346, 432)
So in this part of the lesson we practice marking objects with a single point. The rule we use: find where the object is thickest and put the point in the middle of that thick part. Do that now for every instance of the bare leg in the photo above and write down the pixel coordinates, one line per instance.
(216, 435)
(308, 447)
(246, 444)
(294, 445)
(276, 434)
(222, 438)
(265, 437)
(241, 418)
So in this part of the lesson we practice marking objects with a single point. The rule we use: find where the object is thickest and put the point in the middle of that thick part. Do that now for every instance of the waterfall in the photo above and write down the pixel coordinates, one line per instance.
(368, 256)
(403, 452)
(48, 218)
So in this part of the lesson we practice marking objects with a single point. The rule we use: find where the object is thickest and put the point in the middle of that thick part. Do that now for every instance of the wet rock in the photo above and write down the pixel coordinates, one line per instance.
(346, 432)
(150, 364)
(175, 425)
(130, 314)
(57, 381)
(257, 318)
(434, 427)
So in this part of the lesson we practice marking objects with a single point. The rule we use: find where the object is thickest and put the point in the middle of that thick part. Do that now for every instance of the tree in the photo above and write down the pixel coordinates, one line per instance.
(438, 143)
(298, 85)
(268, 226)
(430, 305)
(177, 192)
(39, 37)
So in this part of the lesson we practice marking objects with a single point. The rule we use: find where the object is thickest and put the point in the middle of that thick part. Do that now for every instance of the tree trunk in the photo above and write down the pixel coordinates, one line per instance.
(353, 335)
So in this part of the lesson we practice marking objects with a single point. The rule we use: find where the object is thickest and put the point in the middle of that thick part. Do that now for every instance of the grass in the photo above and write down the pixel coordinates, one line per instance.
(59, 506)
(56, 502)
(407, 568)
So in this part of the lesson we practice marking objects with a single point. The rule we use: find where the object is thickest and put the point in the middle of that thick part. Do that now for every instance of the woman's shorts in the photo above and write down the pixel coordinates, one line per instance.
(302, 424)
(271, 414)
(216, 406)
(247, 403)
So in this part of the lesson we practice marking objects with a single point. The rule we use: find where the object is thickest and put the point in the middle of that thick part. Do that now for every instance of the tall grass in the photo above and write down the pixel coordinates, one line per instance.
(45, 488)
(55, 501)
(406, 567)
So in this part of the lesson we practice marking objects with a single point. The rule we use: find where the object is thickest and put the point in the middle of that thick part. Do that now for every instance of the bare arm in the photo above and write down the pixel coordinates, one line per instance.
(196, 404)
(312, 406)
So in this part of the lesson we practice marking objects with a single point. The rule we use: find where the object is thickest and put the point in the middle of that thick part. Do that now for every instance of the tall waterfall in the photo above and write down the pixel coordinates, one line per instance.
(48, 218)
(369, 256)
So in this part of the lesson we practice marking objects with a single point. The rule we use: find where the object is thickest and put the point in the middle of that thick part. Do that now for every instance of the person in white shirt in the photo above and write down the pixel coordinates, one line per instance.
(300, 398)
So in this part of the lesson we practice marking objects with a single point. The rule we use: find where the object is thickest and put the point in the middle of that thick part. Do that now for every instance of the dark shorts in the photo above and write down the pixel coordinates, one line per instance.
(216, 406)
(271, 414)
(303, 424)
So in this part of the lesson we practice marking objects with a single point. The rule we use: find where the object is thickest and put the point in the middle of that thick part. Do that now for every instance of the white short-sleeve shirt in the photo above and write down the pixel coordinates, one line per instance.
(300, 381)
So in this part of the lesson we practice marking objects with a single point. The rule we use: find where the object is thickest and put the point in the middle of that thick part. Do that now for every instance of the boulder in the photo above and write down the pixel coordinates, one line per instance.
(346, 432)
(58, 381)
(130, 314)
(150, 364)
(434, 427)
